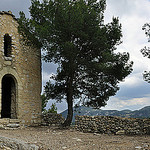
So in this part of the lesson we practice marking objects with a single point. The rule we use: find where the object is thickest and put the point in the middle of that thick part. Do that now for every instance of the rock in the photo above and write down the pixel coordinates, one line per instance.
(145, 145)
(64, 147)
(138, 147)
(12, 143)
(120, 132)
(1, 126)
(5, 148)
(78, 140)
(97, 134)
(13, 125)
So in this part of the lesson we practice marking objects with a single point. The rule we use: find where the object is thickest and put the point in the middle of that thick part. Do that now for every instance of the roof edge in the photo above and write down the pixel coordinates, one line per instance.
(8, 13)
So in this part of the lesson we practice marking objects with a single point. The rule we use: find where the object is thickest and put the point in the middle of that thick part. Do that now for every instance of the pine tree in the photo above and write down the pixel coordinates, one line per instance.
(73, 35)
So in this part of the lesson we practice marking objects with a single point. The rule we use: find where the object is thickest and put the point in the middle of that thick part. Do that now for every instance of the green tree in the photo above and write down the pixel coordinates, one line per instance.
(73, 35)
(146, 51)
(53, 109)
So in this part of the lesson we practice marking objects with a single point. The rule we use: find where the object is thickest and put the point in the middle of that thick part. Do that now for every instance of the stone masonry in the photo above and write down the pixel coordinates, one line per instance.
(112, 125)
(20, 75)
(50, 119)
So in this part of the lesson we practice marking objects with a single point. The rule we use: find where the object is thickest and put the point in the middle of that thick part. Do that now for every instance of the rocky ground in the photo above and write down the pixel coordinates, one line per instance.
(53, 138)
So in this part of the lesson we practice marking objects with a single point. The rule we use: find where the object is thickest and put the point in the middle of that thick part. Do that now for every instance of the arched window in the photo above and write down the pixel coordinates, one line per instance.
(7, 45)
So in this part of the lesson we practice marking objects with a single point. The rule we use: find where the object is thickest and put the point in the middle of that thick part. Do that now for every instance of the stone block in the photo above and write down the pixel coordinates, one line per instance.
(13, 125)
(14, 121)
(120, 132)
(4, 121)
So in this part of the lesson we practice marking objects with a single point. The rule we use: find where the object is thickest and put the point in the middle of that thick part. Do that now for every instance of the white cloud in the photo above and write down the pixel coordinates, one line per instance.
(127, 7)
(133, 14)
(132, 81)
(133, 104)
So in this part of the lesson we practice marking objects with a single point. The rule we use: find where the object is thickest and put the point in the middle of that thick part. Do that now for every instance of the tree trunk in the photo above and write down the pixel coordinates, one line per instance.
(69, 115)
(70, 102)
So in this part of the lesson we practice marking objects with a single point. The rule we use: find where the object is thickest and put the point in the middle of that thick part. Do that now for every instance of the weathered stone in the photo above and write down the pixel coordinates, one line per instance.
(14, 144)
(138, 147)
(4, 121)
(13, 125)
(7, 63)
(64, 147)
(1, 126)
(52, 119)
(120, 132)
(5, 148)
(14, 121)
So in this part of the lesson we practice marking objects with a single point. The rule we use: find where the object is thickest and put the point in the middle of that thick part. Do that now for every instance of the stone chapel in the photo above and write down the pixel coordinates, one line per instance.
(20, 75)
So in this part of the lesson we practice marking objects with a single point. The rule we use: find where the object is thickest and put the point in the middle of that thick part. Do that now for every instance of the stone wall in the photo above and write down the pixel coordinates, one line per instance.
(49, 119)
(112, 125)
(7, 123)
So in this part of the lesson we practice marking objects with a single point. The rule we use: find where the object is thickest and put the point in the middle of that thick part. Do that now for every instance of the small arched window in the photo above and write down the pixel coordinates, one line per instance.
(7, 45)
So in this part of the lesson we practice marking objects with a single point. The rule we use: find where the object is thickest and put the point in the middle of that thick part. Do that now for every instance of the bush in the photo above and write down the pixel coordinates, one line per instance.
(52, 109)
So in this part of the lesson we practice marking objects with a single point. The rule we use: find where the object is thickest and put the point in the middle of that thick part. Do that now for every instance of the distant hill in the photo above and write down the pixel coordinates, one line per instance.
(82, 110)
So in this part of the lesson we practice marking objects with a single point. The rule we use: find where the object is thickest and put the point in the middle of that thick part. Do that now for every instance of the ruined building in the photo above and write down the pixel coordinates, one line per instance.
(20, 75)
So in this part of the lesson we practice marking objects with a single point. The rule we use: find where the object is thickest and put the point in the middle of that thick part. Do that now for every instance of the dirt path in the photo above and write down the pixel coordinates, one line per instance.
(48, 138)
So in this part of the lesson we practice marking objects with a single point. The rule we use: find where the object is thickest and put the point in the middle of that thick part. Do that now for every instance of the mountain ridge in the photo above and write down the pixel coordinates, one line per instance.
(82, 111)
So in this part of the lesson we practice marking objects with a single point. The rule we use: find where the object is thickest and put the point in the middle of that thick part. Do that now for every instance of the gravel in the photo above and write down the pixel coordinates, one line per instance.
(54, 138)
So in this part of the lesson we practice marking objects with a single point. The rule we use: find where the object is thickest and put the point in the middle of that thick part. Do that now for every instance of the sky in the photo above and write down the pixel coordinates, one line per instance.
(134, 92)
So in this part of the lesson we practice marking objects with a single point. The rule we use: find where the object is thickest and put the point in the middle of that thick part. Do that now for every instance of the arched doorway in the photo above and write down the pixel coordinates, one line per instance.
(8, 97)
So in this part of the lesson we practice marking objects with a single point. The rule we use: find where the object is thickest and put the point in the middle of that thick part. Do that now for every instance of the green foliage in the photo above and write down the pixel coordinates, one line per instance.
(44, 101)
(146, 51)
(53, 109)
(72, 34)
